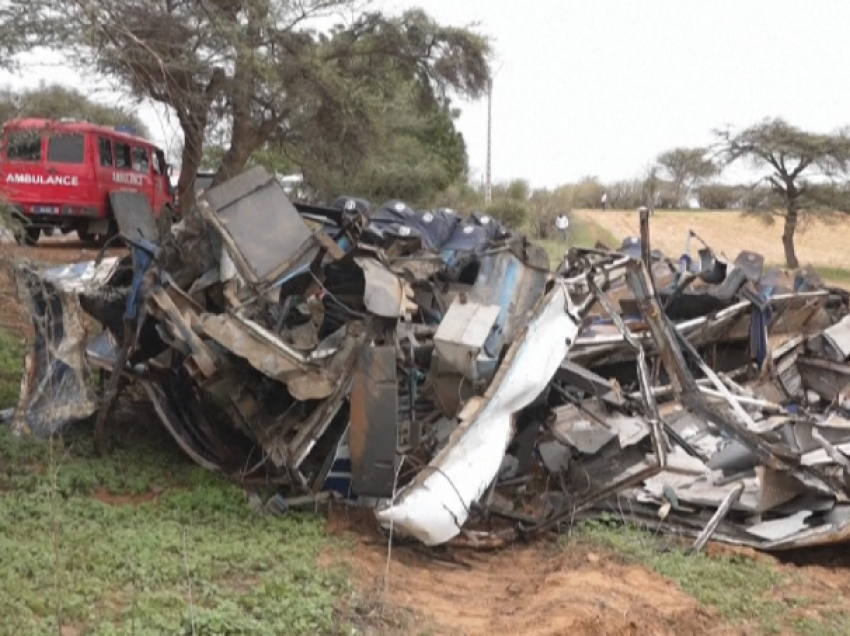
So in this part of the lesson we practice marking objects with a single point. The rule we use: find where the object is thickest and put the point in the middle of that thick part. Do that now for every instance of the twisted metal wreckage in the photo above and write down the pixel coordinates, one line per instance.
(435, 369)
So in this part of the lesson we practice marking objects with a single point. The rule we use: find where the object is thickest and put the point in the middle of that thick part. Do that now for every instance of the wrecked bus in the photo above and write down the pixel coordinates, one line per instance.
(57, 176)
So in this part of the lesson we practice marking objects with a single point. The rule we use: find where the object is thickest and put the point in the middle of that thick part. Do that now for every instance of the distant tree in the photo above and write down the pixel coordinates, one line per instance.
(460, 196)
(516, 190)
(14, 22)
(544, 206)
(511, 212)
(586, 194)
(793, 158)
(626, 195)
(417, 152)
(685, 169)
(719, 196)
(52, 101)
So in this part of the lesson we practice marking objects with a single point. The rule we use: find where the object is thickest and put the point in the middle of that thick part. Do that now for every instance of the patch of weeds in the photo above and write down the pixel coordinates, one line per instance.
(736, 586)
(839, 276)
(835, 274)
(193, 560)
(582, 233)
(369, 615)
(833, 623)
(11, 367)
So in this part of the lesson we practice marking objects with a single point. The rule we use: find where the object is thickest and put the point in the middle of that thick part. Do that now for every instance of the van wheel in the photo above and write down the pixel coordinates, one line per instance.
(28, 235)
(164, 222)
(84, 235)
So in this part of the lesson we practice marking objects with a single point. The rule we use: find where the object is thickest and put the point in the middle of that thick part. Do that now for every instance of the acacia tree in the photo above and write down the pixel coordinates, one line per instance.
(57, 102)
(685, 169)
(807, 170)
(14, 20)
(263, 66)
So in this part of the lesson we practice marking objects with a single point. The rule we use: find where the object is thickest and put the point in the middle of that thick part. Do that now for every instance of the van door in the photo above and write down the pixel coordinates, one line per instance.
(128, 175)
(142, 167)
(105, 172)
(71, 181)
(161, 184)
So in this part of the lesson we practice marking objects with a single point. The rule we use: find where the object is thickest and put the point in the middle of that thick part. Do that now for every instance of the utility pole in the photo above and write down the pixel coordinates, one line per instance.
(488, 188)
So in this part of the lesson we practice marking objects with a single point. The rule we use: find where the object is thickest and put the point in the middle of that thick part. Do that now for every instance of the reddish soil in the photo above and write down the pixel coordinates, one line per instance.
(536, 590)
(107, 497)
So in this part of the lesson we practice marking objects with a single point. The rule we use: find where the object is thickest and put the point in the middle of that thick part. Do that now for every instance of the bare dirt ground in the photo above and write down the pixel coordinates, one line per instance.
(576, 589)
(729, 232)
(536, 590)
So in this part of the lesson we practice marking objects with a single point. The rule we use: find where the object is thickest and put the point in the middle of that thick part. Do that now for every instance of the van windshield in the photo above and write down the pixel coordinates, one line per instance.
(23, 145)
(66, 148)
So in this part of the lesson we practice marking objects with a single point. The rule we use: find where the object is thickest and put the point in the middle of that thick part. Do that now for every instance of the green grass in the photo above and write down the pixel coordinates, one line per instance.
(11, 366)
(738, 587)
(196, 554)
(581, 234)
(835, 274)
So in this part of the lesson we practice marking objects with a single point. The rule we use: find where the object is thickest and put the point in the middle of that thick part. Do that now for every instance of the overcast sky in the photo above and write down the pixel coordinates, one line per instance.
(600, 87)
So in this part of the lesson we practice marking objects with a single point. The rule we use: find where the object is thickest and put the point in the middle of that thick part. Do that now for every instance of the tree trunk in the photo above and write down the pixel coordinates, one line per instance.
(244, 139)
(791, 218)
(193, 127)
(242, 146)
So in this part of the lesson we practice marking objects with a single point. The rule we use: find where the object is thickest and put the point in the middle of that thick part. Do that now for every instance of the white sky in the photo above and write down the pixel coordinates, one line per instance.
(600, 87)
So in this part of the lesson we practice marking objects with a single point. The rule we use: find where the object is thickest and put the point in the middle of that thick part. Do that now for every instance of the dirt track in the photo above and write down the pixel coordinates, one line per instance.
(551, 589)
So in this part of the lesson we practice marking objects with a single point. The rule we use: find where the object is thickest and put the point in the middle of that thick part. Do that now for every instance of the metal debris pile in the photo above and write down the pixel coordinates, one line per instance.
(436, 369)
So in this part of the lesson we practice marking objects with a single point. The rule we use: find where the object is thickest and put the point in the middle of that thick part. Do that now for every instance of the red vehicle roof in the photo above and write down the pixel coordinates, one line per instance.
(73, 126)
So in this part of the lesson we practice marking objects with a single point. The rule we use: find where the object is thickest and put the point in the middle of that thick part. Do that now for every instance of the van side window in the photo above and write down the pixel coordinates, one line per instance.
(123, 158)
(23, 145)
(159, 162)
(66, 148)
(141, 163)
(105, 146)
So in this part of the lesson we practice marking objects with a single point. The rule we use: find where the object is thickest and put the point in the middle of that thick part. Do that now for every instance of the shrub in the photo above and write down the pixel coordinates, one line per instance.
(544, 208)
(511, 213)
(717, 196)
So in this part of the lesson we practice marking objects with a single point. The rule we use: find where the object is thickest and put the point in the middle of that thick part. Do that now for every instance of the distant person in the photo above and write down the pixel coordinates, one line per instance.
(562, 223)
(604, 201)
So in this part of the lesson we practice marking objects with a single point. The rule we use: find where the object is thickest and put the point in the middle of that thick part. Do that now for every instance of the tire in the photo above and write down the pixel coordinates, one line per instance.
(28, 235)
(84, 235)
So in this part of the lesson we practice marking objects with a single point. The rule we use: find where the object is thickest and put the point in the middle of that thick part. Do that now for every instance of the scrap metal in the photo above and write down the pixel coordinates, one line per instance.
(440, 370)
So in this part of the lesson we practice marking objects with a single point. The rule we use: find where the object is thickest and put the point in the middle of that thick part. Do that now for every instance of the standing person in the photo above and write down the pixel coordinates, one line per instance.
(604, 201)
(562, 223)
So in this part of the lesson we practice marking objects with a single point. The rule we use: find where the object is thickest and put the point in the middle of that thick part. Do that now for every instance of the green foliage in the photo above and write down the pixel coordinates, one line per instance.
(11, 368)
(544, 207)
(515, 190)
(270, 75)
(684, 169)
(143, 542)
(416, 153)
(626, 195)
(459, 196)
(512, 213)
(717, 196)
(586, 194)
(807, 171)
(52, 101)
(581, 234)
